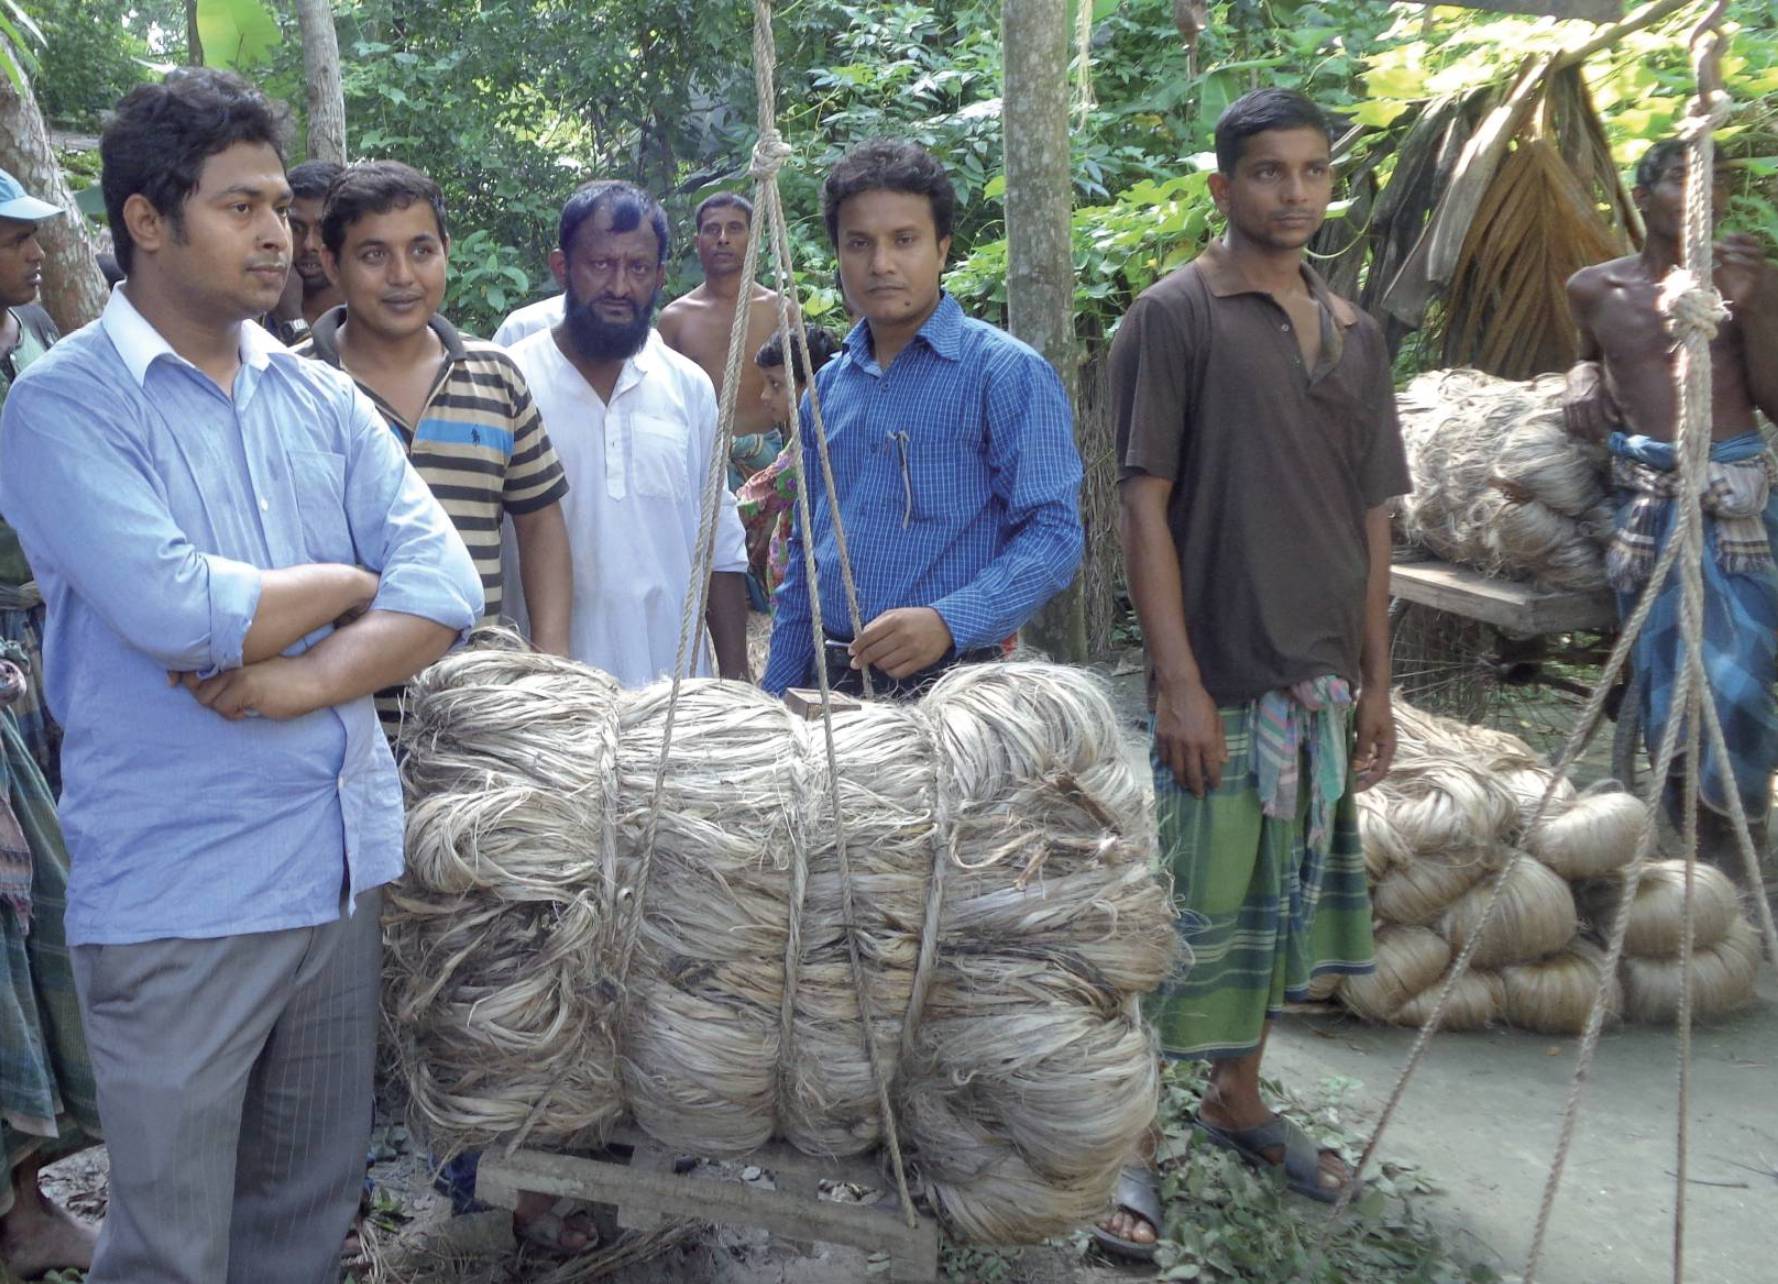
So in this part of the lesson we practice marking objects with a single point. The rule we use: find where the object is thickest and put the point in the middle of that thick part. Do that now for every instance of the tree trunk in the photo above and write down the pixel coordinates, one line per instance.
(327, 100)
(73, 288)
(194, 44)
(1040, 262)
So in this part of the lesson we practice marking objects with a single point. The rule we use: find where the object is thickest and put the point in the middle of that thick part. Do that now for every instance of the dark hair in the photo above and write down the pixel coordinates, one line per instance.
(1260, 110)
(309, 181)
(375, 187)
(720, 201)
(628, 204)
(823, 347)
(1656, 159)
(886, 165)
(159, 137)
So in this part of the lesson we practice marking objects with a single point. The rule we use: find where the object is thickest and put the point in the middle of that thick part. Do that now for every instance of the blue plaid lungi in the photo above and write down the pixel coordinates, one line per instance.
(1740, 581)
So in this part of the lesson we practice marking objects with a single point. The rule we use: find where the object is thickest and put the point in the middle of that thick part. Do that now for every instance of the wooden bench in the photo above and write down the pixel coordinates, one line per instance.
(1515, 608)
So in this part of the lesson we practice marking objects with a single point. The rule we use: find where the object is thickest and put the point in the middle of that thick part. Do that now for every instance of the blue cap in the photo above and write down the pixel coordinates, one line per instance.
(15, 204)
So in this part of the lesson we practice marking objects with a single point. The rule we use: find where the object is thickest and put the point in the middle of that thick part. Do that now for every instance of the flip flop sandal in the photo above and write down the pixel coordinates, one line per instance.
(545, 1230)
(1137, 1193)
(1302, 1157)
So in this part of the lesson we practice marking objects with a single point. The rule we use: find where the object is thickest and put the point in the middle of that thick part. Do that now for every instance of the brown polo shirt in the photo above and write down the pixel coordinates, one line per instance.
(1274, 466)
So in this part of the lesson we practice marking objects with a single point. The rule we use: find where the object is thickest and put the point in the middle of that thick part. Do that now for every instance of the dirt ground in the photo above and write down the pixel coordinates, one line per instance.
(1480, 1120)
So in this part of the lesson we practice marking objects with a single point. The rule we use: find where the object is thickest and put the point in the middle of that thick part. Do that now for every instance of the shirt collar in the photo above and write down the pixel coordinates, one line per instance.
(326, 335)
(942, 331)
(1224, 276)
(140, 344)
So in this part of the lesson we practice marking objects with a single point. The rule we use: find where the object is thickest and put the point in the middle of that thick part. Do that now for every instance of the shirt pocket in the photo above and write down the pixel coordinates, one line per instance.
(939, 473)
(319, 478)
(659, 468)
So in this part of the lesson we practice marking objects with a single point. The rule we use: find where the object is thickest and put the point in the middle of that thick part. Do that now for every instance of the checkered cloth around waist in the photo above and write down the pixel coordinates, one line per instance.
(1735, 495)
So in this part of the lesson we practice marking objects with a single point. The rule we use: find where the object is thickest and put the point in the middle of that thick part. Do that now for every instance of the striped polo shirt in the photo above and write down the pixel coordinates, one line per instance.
(480, 444)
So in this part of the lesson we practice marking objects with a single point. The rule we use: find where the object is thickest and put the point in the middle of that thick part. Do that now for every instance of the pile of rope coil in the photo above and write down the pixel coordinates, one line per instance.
(1459, 807)
(1499, 484)
(1006, 903)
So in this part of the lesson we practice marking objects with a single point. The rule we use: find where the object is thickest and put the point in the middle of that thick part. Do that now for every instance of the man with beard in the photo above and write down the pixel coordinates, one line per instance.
(1258, 449)
(1622, 393)
(459, 405)
(634, 425)
(699, 323)
(308, 196)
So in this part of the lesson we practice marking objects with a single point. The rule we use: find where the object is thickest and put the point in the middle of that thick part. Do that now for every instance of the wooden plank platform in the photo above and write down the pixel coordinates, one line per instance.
(647, 1190)
(1517, 609)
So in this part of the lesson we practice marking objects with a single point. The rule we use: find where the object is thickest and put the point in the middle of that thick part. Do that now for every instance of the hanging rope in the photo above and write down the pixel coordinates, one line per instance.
(769, 155)
(1694, 311)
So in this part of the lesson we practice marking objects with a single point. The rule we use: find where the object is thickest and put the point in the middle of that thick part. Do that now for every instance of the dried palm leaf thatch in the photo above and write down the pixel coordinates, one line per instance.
(1477, 1001)
(1535, 917)
(1555, 995)
(1408, 960)
(1600, 832)
(1537, 224)
(1722, 977)
(1498, 483)
(1657, 916)
(1005, 901)
(1528, 786)
(1419, 893)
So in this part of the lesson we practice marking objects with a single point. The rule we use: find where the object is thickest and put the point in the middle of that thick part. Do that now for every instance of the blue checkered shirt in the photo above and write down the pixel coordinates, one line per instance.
(958, 482)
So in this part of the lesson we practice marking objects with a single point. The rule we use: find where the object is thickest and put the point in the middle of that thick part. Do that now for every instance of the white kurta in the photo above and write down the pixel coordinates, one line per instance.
(545, 314)
(635, 469)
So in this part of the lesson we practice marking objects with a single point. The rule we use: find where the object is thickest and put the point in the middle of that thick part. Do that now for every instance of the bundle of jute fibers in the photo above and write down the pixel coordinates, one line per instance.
(1418, 893)
(1600, 831)
(1535, 916)
(1657, 915)
(1498, 482)
(1722, 977)
(1478, 1000)
(1004, 901)
(1408, 960)
(1528, 785)
(1555, 995)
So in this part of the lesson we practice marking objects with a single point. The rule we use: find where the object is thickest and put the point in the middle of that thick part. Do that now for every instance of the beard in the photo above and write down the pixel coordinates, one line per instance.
(597, 339)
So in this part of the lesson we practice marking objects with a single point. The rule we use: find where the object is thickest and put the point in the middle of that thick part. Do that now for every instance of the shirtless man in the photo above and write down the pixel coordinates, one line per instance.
(1622, 392)
(698, 326)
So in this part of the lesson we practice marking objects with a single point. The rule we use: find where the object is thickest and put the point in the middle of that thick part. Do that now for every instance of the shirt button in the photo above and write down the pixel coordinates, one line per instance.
(264, 507)
(1285, 327)
(342, 782)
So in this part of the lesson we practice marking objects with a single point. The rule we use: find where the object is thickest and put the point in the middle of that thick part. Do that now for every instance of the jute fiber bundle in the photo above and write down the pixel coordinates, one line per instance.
(1005, 903)
(1722, 977)
(1657, 916)
(1528, 786)
(1598, 833)
(1555, 995)
(1408, 959)
(1498, 483)
(1418, 894)
(1477, 1001)
(1535, 917)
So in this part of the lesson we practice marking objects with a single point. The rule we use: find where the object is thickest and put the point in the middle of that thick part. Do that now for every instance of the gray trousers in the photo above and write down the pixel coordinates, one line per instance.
(234, 1083)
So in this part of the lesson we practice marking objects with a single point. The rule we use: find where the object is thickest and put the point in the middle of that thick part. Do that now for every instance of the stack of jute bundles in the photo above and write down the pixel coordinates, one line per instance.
(1003, 888)
(1725, 944)
(1460, 803)
(1499, 484)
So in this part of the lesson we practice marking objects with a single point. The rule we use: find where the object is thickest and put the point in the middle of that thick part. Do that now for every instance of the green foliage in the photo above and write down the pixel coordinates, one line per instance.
(19, 38)
(96, 51)
(237, 34)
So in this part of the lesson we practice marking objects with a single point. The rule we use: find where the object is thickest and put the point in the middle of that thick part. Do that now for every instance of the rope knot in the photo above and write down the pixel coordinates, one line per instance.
(769, 155)
(1705, 114)
(1692, 308)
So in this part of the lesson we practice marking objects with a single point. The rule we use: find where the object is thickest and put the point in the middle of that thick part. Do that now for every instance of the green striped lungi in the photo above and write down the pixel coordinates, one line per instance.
(1256, 933)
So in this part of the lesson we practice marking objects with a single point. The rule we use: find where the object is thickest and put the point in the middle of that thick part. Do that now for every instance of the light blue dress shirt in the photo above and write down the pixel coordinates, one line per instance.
(148, 503)
(959, 486)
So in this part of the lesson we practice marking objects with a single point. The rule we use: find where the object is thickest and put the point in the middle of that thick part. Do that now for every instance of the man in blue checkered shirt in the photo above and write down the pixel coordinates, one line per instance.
(952, 447)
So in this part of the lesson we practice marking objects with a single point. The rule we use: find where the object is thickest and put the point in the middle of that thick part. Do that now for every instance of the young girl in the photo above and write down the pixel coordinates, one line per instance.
(768, 498)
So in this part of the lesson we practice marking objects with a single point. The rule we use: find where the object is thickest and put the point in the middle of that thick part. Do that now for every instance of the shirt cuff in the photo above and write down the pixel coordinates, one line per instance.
(969, 616)
(234, 598)
(431, 595)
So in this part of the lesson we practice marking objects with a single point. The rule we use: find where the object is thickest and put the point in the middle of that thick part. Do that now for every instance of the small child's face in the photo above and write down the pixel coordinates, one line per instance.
(775, 393)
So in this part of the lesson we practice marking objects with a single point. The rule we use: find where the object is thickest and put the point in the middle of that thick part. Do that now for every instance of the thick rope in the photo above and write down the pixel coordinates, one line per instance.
(1694, 313)
(769, 155)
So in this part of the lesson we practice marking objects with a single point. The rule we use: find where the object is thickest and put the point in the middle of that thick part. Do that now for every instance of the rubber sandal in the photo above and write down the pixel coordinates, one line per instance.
(1302, 1157)
(1138, 1193)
